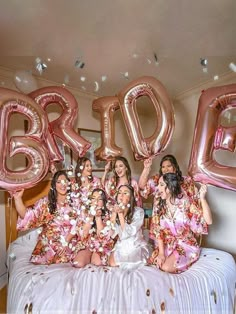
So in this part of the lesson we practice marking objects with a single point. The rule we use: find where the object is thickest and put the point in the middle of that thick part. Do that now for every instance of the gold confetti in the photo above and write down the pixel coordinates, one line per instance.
(148, 292)
(171, 292)
(30, 309)
(26, 309)
(213, 293)
(163, 307)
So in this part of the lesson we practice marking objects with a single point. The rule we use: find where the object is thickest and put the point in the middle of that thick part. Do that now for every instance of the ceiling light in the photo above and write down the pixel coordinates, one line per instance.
(232, 67)
(149, 61)
(49, 59)
(216, 77)
(205, 70)
(83, 78)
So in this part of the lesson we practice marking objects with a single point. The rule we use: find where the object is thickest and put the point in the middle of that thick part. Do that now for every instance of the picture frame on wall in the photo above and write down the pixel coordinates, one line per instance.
(94, 137)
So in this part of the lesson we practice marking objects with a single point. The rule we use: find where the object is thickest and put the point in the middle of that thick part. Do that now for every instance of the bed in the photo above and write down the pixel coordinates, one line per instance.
(207, 287)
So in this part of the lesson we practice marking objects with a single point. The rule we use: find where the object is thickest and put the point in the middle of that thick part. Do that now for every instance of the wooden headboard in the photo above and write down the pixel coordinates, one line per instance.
(30, 197)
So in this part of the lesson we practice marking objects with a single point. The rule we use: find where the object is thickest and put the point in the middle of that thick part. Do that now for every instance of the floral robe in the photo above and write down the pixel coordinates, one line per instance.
(111, 190)
(102, 243)
(54, 229)
(188, 187)
(179, 231)
(81, 195)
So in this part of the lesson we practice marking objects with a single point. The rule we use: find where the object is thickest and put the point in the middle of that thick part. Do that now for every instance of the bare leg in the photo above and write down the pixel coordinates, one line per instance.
(168, 265)
(96, 259)
(82, 258)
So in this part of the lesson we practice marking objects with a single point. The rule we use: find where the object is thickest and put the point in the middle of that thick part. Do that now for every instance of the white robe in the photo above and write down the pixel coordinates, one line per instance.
(131, 250)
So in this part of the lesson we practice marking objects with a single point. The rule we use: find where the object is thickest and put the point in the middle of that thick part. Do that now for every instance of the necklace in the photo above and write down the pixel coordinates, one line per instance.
(170, 209)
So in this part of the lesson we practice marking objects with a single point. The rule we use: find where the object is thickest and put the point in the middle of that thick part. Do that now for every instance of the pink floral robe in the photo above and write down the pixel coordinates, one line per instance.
(189, 188)
(111, 190)
(81, 194)
(55, 228)
(102, 243)
(179, 232)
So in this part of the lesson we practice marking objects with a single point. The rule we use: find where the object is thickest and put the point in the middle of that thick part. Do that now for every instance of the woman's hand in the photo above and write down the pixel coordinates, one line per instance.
(108, 167)
(18, 194)
(147, 163)
(202, 192)
(118, 209)
(160, 259)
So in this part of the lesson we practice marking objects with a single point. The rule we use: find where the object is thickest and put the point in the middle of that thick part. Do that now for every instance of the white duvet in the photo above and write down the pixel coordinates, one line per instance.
(207, 287)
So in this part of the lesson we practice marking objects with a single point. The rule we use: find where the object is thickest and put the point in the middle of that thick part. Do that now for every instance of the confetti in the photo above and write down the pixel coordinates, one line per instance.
(171, 292)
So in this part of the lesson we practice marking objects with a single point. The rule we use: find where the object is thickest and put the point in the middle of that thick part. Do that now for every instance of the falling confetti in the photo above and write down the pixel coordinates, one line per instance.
(163, 307)
(148, 292)
(171, 292)
(213, 293)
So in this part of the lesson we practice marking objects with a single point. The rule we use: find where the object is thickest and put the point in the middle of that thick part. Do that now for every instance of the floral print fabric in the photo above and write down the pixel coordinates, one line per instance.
(111, 190)
(179, 229)
(55, 228)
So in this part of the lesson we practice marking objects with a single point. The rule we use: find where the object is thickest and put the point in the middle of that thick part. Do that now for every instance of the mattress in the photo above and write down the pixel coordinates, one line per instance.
(207, 287)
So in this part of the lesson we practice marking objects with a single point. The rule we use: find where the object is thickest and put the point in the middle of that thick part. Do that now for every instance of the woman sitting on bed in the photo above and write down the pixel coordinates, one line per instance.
(93, 230)
(176, 227)
(130, 250)
(56, 217)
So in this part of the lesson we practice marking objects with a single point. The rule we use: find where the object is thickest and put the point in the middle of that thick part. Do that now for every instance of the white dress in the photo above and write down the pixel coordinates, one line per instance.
(131, 250)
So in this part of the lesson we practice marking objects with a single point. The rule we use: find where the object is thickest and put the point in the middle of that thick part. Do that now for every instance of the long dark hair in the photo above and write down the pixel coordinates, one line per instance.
(52, 194)
(132, 203)
(128, 169)
(81, 162)
(174, 185)
(105, 211)
(174, 163)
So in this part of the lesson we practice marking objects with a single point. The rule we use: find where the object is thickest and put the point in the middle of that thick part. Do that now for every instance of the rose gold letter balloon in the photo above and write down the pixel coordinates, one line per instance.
(157, 142)
(31, 145)
(106, 106)
(210, 136)
(63, 127)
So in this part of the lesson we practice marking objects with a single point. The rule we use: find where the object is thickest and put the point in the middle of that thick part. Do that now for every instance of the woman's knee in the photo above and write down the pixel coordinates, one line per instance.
(168, 268)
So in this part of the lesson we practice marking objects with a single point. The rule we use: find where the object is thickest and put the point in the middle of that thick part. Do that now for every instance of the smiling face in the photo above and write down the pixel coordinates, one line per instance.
(61, 185)
(96, 199)
(120, 169)
(167, 167)
(123, 195)
(164, 192)
(87, 171)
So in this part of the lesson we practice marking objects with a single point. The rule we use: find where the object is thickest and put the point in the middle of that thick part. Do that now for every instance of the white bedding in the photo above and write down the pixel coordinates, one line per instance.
(207, 287)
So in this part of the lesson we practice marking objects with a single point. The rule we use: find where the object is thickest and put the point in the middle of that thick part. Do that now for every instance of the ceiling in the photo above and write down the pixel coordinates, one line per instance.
(119, 41)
